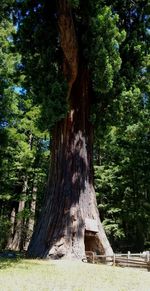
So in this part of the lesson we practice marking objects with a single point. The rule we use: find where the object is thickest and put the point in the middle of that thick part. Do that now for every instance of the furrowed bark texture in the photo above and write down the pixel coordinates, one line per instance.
(70, 199)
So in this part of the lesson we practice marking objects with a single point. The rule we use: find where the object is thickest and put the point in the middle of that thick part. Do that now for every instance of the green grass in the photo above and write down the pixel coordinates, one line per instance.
(39, 275)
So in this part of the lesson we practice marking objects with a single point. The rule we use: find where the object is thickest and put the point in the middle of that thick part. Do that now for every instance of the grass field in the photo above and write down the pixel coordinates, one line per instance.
(31, 275)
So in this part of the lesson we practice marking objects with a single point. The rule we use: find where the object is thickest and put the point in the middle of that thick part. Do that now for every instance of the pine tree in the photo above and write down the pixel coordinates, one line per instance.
(23, 146)
(123, 172)
(8, 61)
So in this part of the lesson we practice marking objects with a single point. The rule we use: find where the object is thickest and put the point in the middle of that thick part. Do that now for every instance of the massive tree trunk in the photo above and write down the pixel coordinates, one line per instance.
(69, 223)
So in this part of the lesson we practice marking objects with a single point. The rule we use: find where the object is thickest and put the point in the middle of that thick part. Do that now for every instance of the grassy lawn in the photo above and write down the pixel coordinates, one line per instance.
(31, 275)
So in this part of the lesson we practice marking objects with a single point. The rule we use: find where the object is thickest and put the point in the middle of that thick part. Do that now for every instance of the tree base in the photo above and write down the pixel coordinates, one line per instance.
(70, 213)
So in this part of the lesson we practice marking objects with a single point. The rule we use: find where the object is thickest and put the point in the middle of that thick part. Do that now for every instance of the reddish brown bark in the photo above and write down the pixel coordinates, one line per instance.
(71, 199)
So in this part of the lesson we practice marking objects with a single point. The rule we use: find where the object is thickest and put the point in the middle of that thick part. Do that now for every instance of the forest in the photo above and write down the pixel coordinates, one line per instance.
(41, 77)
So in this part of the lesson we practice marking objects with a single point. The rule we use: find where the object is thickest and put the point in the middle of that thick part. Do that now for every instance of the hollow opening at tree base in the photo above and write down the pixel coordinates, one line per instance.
(91, 242)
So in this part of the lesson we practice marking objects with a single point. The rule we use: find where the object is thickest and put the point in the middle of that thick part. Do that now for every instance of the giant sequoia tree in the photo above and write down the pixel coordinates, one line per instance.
(70, 55)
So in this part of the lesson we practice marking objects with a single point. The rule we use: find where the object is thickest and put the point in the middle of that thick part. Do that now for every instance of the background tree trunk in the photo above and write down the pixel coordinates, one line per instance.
(16, 242)
(12, 221)
(70, 199)
(30, 223)
(17, 238)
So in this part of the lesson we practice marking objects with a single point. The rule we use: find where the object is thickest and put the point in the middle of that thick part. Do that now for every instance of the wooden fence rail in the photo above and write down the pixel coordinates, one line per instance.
(137, 260)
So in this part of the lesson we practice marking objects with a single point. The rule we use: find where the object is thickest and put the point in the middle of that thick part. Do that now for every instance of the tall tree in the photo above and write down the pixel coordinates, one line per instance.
(70, 57)
(8, 60)
(23, 147)
(123, 171)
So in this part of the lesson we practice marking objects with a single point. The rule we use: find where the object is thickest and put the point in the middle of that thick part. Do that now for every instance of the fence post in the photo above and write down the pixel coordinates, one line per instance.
(128, 258)
(147, 256)
(93, 257)
(114, 259)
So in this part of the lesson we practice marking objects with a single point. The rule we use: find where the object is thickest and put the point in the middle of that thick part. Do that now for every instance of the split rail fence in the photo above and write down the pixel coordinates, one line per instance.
(137, 260)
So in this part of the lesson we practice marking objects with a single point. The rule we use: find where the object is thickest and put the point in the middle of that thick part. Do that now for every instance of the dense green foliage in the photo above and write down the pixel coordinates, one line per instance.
(38, 43)
(114, 43)
(122, 172)
(23, 147)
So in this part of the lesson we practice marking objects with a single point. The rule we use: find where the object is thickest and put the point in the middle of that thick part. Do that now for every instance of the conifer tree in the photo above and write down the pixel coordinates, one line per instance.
(23, 155)
(7, 104)
(70, 55)
(122, 172)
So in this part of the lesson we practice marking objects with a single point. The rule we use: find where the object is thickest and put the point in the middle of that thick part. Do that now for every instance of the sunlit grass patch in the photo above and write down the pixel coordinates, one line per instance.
(42, 275)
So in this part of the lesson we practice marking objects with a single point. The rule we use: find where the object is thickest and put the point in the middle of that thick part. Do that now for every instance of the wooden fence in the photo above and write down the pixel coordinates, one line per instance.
(137, 260)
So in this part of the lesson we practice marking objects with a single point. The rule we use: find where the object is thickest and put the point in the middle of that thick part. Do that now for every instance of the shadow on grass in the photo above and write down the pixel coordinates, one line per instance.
(9, 259)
